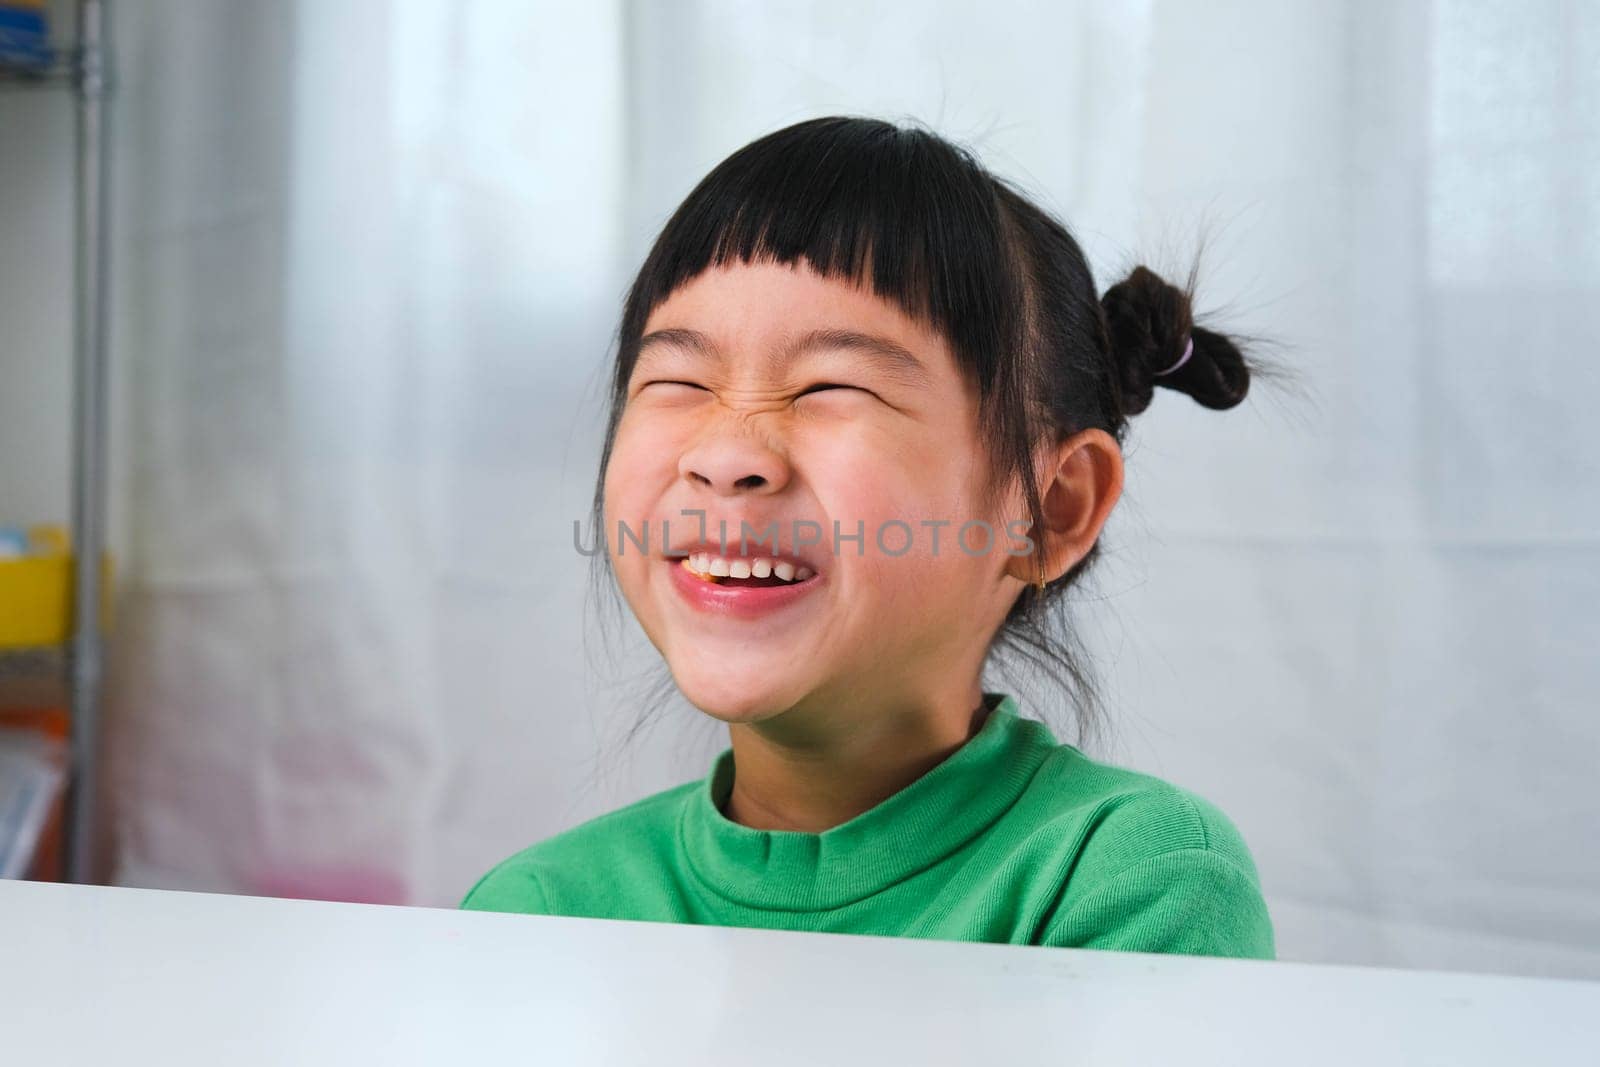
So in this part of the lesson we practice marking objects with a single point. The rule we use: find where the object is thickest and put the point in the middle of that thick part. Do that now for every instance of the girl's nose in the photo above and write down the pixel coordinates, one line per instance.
(729, 465)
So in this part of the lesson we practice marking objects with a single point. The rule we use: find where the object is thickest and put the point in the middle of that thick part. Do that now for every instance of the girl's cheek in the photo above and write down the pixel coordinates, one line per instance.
(884, 479)
(642, 455)
(624, 504)
(913, 515)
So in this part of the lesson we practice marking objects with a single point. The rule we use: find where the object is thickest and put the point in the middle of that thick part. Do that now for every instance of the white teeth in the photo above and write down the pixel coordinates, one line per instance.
(708, 565)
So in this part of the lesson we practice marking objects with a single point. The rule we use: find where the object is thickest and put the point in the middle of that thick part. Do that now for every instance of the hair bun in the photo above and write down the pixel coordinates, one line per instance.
(1149, 323)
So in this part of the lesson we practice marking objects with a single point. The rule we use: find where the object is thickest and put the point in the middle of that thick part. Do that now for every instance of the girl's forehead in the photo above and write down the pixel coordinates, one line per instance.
(749, 304)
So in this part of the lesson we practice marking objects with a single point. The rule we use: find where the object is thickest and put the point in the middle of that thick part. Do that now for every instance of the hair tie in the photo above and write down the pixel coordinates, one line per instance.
(1188, 350)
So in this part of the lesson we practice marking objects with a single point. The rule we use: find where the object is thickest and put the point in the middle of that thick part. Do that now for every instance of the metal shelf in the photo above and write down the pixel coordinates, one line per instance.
(82, 68)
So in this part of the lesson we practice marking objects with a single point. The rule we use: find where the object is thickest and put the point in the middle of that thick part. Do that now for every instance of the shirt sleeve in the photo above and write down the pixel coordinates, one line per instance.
(1190, 901)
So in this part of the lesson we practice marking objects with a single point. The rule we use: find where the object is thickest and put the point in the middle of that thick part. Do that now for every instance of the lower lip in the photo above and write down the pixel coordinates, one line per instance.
(740, 601)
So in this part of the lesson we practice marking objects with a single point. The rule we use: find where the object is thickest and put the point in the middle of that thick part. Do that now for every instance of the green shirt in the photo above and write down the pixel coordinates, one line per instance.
(1013, 838)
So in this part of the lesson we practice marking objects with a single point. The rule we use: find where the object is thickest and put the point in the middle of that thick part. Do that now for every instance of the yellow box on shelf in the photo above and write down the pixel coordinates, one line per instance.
(36, 591)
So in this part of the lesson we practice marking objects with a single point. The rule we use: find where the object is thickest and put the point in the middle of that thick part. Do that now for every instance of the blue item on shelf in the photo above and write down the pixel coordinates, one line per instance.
(24, 36)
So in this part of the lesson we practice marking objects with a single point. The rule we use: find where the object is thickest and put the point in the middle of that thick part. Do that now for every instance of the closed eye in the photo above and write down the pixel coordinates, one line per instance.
(826, 386)
(668, 381)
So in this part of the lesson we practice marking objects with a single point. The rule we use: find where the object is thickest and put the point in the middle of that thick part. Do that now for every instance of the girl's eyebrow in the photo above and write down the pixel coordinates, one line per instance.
(896, 359)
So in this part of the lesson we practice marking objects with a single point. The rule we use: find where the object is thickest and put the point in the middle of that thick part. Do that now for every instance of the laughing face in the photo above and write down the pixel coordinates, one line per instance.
(770, 399)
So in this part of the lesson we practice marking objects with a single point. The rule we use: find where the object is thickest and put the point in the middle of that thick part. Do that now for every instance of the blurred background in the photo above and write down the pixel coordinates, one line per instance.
(367, 258)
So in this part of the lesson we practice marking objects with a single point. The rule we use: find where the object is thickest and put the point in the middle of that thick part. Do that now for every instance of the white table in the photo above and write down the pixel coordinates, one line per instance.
(92, 975)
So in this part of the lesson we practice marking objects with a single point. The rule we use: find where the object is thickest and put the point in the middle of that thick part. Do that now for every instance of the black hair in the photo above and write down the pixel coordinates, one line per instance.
(923, 223)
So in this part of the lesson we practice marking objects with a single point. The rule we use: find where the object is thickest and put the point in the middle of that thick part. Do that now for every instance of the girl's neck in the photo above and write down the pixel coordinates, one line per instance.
(828, 780)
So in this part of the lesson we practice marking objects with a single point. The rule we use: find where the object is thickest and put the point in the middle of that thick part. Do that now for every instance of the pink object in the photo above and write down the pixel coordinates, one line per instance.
(1189, 349)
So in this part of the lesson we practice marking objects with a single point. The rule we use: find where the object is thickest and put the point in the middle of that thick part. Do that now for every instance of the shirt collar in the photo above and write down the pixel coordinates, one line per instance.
(923, 823)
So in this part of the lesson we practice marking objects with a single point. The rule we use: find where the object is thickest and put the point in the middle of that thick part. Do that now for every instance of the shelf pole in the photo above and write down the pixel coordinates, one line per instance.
(89, 434)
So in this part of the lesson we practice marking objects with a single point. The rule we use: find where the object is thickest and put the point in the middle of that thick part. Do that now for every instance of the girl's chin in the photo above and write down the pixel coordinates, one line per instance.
(738, 698)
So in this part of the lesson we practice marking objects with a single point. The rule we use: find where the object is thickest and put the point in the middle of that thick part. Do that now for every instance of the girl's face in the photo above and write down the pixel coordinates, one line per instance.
(769, 396)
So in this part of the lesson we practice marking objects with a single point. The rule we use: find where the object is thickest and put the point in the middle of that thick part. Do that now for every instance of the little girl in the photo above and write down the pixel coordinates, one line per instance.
(864, 431)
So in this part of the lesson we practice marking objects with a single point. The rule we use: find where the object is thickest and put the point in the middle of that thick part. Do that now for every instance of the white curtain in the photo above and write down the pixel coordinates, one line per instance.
(371, 258)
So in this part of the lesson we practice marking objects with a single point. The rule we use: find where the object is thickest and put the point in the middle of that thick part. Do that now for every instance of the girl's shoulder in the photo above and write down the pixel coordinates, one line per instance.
(1116, 817)
(1144, 865)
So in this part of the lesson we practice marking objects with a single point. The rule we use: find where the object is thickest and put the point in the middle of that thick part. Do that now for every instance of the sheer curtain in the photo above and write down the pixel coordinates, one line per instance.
(372, 262)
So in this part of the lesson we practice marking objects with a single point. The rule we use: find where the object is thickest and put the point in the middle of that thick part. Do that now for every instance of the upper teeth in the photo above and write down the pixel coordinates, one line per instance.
(724, 567)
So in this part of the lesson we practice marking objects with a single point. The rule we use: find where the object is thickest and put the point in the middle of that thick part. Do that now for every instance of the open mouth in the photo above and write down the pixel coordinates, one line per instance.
(743, 587)
(757, 572)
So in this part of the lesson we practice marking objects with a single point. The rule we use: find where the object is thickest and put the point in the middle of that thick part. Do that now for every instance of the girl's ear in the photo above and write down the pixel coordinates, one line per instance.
(1082, 481)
